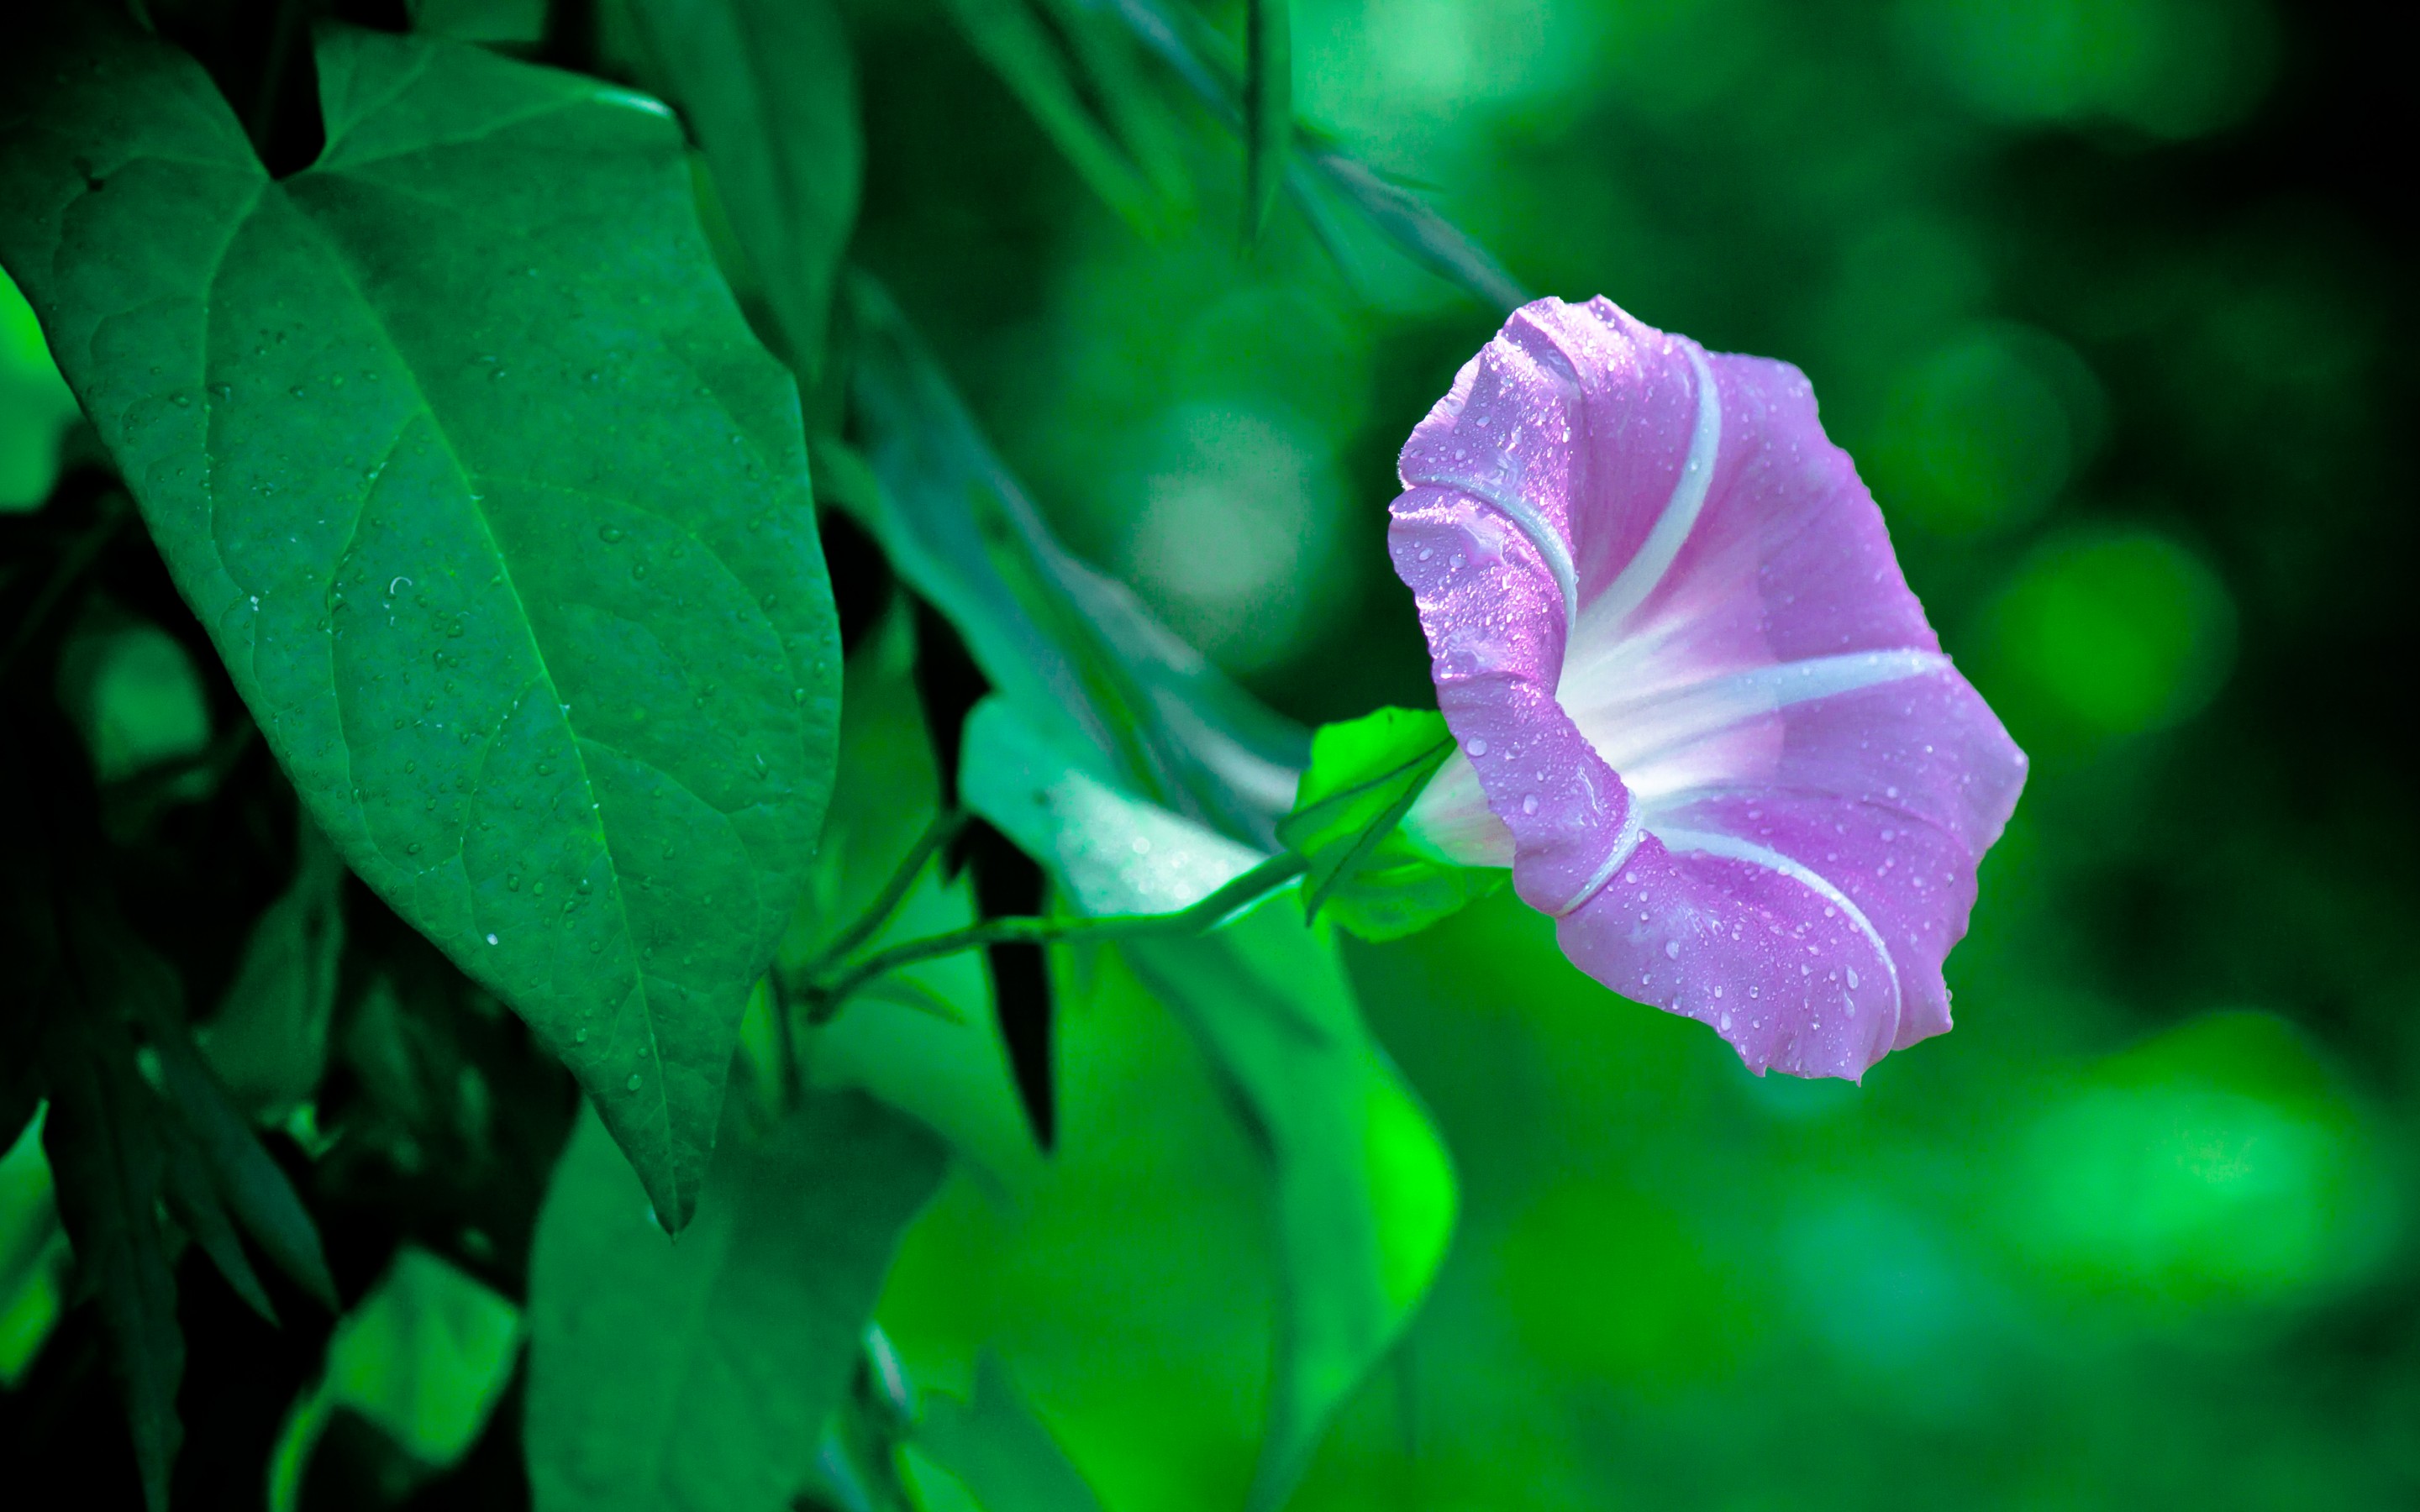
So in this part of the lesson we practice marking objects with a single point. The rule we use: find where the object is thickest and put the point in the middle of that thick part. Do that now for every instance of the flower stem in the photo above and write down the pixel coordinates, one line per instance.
(943, 830)
(823, 997)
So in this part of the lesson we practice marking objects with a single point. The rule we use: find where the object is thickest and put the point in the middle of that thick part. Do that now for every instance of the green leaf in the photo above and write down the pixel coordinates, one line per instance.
(999, 1451)
(699, 1375)
(1415, 227)
(107, 1158)
(35, 408)
(1364, 1189)
(35, 1264)
(118, 1155)
(269, 1041)
(193, 1200)
(1073, 650)
(1202, 61)
(1022, 49)
(132, 693)
(767, 89)
(459, 449)
(425, 1359)
(239, 1169)
(1268, 107)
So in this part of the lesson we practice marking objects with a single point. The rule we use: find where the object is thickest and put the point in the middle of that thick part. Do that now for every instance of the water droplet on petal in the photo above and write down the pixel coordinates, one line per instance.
(1672, 950)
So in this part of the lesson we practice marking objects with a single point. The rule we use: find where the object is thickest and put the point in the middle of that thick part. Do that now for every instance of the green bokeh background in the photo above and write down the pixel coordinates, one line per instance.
(2101, 300)
(2104, 299)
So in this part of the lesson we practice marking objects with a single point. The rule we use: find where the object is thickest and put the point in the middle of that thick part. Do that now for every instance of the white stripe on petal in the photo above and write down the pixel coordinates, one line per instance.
(1786, 682)
(1624, 844)
(1733, 848)
(1552, 547)
(1641, 576)
(1639, 734)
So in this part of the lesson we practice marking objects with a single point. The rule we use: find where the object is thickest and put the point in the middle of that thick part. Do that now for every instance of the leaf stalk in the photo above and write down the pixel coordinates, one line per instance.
(823, 994)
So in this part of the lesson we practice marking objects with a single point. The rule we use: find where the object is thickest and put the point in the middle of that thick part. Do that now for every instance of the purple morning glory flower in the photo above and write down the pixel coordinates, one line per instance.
(1700, 714)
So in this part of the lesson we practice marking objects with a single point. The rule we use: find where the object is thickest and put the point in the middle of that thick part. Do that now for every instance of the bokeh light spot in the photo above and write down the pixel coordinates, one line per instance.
(1876, 1285)
(1983, 432)
(2108, 636)
(1406, 78)
(1236, 526)
(2214, 1161)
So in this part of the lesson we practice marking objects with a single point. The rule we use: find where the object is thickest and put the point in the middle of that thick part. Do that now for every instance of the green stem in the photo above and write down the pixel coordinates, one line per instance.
(943, 830)
(825, 997)
(786, 1032)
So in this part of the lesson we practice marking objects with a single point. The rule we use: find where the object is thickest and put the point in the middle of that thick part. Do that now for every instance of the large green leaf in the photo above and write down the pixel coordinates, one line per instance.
(459, 449)
(1072, 649)
(767, 89)
(698, 1376)
(1364, 1189)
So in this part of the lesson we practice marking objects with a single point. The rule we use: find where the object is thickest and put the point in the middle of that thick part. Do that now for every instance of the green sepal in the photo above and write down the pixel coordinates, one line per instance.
(1365, 775)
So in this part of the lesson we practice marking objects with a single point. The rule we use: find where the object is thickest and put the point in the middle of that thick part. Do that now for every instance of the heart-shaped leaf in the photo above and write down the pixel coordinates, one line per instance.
(463, 453)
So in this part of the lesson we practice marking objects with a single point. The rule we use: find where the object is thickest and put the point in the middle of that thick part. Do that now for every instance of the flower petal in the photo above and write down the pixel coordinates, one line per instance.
(1670, 636)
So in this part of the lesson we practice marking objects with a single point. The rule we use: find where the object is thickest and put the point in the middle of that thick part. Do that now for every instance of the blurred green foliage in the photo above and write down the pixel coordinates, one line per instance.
(2103, 322)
